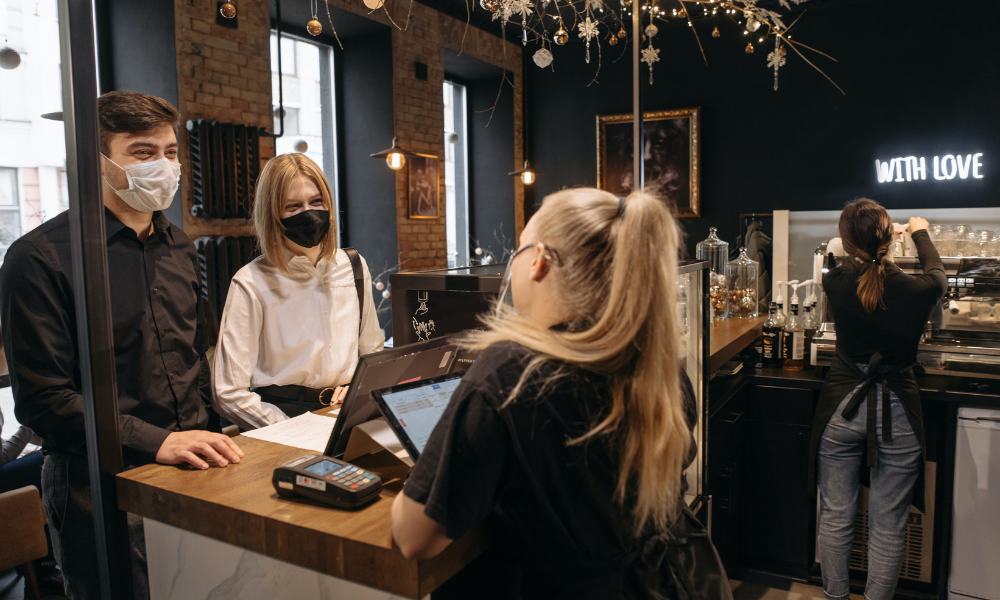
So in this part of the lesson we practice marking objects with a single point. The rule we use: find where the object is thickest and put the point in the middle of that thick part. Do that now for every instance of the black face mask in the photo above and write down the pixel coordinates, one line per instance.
(307, 228)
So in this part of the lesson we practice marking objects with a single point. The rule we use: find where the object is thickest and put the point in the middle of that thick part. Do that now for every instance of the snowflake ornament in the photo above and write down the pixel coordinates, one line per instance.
(776, 59)
(588, 30)
(650, 55)
(510, 8)
(597, 5)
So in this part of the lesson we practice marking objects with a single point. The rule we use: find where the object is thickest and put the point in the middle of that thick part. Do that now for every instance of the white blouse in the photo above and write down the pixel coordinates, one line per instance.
(289, 329)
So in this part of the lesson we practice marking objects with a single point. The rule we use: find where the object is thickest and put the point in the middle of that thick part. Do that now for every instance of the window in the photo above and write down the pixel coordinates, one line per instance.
(10, 214)
(456, 174)
(33, 152)
(287, 54)
(307, 93)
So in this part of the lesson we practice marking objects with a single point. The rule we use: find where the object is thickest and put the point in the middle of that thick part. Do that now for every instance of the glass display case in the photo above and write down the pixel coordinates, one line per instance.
(695, 318)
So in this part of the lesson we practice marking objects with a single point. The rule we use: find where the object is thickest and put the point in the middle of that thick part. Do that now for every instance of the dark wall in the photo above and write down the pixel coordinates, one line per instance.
(922, 81)
(491, 157)
(138, 53)
(365, 125)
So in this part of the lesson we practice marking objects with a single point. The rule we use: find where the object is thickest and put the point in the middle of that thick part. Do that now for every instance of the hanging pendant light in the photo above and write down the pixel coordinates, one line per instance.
(395, 156)
(527, 174)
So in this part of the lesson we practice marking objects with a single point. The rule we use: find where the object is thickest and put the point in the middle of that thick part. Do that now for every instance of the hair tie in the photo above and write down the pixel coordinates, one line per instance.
(621, 206)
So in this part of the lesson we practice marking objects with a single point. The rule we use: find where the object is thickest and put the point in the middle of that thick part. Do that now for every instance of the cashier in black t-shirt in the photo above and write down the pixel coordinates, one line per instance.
(574, 425)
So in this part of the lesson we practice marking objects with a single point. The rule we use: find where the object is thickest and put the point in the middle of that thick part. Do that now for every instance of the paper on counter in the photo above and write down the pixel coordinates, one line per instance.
(308, 431)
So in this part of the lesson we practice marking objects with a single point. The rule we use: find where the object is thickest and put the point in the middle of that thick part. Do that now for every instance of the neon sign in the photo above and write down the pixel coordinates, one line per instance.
(944, 168)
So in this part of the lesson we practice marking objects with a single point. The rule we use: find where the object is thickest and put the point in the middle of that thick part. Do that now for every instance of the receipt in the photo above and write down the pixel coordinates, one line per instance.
(308, 431)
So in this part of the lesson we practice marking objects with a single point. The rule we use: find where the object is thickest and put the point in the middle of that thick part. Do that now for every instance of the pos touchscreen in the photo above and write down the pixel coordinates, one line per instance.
(404, 364)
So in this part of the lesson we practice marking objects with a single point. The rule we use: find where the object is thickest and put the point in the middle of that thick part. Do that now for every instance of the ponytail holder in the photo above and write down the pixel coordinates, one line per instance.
(621, 206)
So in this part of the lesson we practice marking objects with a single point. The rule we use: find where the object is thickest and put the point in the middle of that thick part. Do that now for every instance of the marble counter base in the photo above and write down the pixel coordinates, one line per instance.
(187, 566)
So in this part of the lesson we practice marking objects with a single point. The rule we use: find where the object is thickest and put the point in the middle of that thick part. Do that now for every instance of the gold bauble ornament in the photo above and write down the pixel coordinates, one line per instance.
(622, 33)
(612, 40)
(561, 37)
(490, 5)
(682, 13)
(716, 32)
(782, 51)
(749, 48)
(228, 10)
(626, 3)
(314, 27)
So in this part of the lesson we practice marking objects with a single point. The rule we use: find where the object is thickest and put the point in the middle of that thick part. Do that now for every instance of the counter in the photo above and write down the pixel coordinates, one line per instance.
(226, 533)
(728, 338)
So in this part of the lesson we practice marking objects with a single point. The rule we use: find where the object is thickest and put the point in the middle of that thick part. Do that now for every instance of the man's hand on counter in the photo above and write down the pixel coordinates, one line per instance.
(190, 446)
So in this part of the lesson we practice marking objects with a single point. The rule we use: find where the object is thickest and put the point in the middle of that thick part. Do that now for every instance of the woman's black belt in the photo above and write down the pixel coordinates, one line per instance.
(295, 400)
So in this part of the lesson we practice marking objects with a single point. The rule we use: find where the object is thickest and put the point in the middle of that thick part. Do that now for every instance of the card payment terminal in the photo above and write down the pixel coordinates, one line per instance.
(327, 480)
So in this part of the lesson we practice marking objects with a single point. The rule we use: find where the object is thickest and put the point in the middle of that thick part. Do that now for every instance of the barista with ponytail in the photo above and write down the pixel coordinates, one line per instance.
(574, 426)
(868, 422)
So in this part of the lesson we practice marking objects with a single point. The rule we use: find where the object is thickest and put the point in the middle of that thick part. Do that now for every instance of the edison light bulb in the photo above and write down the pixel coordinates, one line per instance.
(395, 161)
(528, 177)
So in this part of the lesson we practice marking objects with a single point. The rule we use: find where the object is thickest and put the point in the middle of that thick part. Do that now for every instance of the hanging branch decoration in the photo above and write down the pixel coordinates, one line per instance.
(541, 19)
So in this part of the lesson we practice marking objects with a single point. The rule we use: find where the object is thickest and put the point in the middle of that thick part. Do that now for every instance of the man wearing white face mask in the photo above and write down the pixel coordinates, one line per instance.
(164, 394)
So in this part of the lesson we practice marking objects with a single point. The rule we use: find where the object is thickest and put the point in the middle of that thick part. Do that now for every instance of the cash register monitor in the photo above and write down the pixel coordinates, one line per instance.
(413, 409)
(412, 362)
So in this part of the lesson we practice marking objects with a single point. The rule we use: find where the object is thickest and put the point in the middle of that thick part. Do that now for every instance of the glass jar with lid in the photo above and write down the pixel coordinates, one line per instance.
(741, 275)
(716, 252)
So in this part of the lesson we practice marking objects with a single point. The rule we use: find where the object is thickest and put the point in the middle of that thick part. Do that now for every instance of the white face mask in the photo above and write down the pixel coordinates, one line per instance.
(151, 185)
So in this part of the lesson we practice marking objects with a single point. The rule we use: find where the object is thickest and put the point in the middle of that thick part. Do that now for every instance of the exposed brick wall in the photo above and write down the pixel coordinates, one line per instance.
(222, 74)
(225, 74)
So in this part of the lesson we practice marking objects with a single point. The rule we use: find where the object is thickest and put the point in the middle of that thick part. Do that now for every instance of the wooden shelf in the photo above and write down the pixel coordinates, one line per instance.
(728, 338)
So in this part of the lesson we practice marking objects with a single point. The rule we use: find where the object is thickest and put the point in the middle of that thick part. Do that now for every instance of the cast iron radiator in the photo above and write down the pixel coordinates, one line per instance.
(225, 163)
(221, 258)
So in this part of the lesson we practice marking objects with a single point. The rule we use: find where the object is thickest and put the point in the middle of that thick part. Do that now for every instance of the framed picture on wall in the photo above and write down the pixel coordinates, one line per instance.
(423, 171)
(672, 146)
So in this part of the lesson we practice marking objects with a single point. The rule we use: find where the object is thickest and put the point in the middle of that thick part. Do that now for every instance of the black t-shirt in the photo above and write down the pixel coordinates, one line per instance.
(566, 531)
(895, 330)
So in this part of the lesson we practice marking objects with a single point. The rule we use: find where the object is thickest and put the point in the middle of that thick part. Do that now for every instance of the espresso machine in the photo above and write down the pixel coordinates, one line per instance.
(962, 336)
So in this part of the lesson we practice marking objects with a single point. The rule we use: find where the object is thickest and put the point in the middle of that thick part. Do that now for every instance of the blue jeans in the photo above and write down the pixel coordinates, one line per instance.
(841, 451)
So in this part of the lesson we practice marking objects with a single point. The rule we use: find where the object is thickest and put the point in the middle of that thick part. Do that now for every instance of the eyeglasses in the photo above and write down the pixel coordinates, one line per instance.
(505, 299)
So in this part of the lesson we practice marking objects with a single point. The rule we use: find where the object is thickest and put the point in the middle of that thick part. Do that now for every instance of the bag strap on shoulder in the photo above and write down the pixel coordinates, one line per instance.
(359, 283)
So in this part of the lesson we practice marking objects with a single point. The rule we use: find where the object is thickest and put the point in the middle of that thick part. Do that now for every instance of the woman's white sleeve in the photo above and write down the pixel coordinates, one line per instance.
(236, 360)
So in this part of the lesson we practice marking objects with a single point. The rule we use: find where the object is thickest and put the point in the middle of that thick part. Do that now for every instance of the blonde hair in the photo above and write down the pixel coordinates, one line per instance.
(619, 278)
(272, 188)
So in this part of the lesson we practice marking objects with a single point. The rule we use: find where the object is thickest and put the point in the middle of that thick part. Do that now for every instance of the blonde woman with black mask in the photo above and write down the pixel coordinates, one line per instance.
(293, 326)
(574, 425)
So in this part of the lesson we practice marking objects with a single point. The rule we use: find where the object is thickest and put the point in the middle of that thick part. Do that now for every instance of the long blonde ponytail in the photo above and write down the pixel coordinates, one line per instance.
(619, 277)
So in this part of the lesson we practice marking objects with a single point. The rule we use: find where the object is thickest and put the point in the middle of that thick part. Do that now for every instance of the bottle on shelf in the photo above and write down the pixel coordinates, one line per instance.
(780, 300)
(811, 320)
(794, 335)
(772, 338)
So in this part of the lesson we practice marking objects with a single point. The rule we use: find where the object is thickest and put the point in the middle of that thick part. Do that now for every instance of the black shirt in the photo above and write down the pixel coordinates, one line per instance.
(564, 528)
(909, 299)
(162, 375)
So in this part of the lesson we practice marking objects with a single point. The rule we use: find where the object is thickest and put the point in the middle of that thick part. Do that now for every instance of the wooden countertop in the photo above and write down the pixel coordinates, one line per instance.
(728, 338)
(238, 505)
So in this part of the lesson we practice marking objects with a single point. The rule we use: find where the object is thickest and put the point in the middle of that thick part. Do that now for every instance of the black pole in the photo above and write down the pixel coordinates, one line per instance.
(638, 147)
(95, 342)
